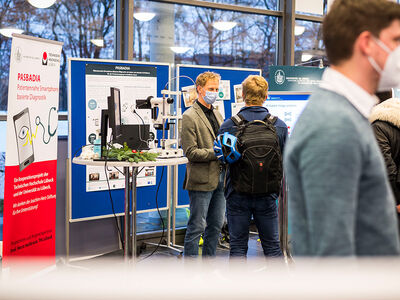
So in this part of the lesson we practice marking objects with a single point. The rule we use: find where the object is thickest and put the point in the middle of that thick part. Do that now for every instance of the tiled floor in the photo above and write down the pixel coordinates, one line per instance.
(255, 251)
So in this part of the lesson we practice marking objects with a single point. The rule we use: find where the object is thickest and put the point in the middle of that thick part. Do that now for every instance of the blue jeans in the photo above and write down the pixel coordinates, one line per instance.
(207, 211)
(240, 208)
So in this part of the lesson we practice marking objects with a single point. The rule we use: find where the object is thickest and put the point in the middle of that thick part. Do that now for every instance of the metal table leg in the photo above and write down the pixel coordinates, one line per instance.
(127, 216)
(283, 222)
(174, 205)
(174, 198)
(169, 205)
(134, 200)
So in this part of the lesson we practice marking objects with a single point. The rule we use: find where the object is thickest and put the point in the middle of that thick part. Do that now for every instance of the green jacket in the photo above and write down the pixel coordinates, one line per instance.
(203, 168)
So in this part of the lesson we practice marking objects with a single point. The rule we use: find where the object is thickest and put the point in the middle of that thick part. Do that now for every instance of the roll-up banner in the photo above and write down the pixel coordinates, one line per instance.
(31, 150)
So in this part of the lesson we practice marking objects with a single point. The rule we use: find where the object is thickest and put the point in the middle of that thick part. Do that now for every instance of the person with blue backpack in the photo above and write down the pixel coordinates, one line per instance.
(251, 144)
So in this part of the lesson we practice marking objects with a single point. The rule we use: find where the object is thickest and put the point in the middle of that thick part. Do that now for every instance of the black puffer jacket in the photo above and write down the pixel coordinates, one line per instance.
(385, 119)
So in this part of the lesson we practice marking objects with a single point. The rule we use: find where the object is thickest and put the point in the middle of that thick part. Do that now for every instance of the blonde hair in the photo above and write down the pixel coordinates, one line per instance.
(255, 90)
(202, 79)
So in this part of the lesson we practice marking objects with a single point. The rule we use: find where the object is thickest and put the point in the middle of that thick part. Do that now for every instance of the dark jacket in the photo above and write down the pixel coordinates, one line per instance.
(251, 113)
(385, 119)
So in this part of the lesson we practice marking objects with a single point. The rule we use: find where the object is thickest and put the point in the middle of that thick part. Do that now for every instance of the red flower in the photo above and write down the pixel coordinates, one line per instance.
(134, 151)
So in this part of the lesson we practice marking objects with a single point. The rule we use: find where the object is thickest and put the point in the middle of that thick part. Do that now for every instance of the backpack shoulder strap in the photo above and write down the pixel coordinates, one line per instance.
(270, 119)
(238, 119)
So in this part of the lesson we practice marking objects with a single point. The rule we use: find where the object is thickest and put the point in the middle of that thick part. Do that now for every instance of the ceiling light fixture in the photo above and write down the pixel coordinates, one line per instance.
(299, 30)
(180, 50)
(7, 32)
(224, 26)
(97, 42)
(41, 3)
(306, 57)
(144, 16)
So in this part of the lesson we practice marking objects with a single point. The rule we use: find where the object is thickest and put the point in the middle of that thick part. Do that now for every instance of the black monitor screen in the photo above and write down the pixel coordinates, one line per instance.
(117, 106)
(114, 111)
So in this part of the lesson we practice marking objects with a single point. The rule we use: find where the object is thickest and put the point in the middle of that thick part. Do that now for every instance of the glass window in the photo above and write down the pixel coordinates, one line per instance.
(311, 7)
(86, 27)
(194, 35)
(266, 4)
(309, 49)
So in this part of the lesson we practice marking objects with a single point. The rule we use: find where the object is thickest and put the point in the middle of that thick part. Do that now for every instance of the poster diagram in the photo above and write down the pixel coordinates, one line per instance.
(219, 105)
(224, 92)
(135, 83)
(189, 95)
(287, 107)
(237, 88)
(236, 107)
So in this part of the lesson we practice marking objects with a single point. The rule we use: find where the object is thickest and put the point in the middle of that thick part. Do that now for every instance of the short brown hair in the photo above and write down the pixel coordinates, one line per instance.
(347, 19)
(202, 79)
(255, 90)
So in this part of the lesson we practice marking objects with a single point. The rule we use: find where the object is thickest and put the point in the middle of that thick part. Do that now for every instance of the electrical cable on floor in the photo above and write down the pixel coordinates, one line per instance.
(162, 221)
(109, 191)
(111, 200)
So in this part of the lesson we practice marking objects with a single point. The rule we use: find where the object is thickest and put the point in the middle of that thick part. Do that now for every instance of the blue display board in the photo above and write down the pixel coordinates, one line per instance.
(234, 75)
(90, 205)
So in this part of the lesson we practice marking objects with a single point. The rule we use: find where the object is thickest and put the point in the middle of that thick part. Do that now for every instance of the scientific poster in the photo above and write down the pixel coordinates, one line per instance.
(135, 83)
(189, 95)
(219, 105)
(224, 92)
(287, 107)
(237, 88)
(236, 107)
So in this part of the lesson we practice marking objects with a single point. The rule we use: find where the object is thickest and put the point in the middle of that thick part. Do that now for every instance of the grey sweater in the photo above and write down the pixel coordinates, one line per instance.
(340, 202)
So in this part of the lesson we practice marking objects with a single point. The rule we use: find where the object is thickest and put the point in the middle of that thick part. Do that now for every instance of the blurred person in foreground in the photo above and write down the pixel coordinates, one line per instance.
(204, 178)
(253, 181)
(340, 202)
(385, 119)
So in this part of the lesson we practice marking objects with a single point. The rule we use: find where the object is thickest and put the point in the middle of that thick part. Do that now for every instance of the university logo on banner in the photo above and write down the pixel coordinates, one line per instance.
(31, 152)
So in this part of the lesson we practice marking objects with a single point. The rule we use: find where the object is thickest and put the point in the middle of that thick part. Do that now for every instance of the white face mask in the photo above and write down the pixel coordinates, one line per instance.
(390, 75)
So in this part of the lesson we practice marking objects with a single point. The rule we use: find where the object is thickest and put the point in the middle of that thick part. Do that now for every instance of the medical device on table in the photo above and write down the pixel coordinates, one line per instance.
(163, 119)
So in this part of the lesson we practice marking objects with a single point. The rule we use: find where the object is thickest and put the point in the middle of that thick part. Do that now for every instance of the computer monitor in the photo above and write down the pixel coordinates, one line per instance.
(135, 135)
(114, 112)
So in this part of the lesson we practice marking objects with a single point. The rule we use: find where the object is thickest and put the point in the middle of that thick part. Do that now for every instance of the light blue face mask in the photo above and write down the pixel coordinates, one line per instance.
(210, 97)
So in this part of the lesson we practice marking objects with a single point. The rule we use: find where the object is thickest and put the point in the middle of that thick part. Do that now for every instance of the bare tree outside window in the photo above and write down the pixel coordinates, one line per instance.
(309, 47)
(250, 43)
(266, 4)
(75, 23)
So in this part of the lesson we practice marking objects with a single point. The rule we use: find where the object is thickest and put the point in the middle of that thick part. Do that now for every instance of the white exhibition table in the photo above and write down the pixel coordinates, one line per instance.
(130, 202)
